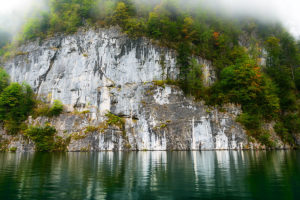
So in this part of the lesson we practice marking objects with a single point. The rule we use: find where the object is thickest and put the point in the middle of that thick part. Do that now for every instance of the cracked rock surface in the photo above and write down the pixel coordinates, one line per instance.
(104, 71)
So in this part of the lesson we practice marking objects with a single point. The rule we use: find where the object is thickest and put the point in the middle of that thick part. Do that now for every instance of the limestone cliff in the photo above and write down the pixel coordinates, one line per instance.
(101, 71)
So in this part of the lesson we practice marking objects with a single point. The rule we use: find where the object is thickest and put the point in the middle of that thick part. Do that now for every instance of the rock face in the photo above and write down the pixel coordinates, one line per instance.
(101, 71)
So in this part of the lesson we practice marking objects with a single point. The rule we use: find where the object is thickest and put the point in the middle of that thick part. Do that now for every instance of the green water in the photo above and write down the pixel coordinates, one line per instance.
(151, 175)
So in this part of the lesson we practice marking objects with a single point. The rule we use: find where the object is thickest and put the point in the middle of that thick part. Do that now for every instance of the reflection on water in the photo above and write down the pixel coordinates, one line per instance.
(151, 175)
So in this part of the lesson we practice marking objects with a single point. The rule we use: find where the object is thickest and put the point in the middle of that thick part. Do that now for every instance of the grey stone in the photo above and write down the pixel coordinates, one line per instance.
(104, 71)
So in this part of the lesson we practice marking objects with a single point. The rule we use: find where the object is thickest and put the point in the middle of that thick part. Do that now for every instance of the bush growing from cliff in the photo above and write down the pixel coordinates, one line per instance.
(265, 138)
(56, 109)
(245, 84)
(12, 98)
(16, 103)
(250, 121)
(283, 132)
(43, 137)
(4, 79)
(45, 140)
(46, 110)
(194, 80)
(114, 120)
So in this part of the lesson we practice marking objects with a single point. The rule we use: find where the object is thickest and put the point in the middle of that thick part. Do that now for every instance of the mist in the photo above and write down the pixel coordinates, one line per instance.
(13, 13)
(286, 12)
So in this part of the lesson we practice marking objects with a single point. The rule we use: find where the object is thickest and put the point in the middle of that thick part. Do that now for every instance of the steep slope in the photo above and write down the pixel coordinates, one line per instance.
(115, 98)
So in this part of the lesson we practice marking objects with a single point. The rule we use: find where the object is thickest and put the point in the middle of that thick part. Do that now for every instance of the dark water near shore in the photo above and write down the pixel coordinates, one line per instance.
(151, 175)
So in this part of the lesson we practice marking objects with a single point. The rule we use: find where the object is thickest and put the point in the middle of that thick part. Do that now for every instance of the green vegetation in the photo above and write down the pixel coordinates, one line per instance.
(114, 120)
(56, 109)
(3, 144)
(46, 110)
(193, 83)
(64, 16)
(266, 94)
(13, 149)
(79, 136)
(44, 138)
(160, 83)
(246, 85)
(16, 103)
(163, 83)
(91, 129)
(4, 80)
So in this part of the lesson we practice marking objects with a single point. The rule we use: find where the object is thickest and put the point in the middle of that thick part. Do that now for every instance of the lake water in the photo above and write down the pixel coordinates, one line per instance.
(151, 175)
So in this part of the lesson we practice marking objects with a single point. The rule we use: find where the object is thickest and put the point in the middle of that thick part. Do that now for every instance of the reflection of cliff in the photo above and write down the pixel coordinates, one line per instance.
(151, 175)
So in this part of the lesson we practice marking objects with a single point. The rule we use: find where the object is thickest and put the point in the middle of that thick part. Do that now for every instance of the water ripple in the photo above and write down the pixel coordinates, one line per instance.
(151, 175)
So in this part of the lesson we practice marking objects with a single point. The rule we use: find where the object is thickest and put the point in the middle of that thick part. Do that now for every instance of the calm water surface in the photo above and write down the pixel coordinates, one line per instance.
(151, 175)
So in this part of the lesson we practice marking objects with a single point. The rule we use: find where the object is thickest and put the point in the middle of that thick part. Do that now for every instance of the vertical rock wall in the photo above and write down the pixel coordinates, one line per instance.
(101, 71)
